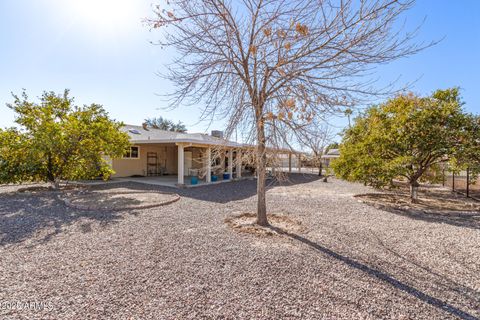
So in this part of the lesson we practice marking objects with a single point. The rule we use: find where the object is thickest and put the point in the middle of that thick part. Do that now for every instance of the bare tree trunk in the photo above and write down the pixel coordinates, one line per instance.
(261, 176)
(50, 179)
(320, 168)
(56, 184)
(414, 191)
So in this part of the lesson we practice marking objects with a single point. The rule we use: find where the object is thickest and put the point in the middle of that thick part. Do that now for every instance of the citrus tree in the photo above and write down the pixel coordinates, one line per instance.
(57, 140)
(407, 136)
(468, 154)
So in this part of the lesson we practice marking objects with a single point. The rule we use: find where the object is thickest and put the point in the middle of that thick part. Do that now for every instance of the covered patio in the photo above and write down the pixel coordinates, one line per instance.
(168, 158)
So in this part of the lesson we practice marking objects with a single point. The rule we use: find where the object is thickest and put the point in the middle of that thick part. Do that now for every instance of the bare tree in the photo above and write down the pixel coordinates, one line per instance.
(316, 137)
(267, 65)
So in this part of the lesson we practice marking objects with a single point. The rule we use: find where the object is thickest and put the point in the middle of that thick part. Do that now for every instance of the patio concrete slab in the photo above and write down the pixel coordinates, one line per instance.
(166, 181)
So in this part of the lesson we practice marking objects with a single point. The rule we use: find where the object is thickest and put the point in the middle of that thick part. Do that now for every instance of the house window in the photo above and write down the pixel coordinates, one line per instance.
(132, 153)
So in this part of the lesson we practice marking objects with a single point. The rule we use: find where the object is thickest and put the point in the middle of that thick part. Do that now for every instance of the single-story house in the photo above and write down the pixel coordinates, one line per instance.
(329, 156)
(155, 152)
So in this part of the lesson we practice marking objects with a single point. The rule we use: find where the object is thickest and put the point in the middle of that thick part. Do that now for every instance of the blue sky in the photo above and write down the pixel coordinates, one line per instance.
(104, 56)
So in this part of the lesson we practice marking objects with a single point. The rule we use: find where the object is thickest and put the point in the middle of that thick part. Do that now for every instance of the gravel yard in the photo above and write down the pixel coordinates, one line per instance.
(182, 261)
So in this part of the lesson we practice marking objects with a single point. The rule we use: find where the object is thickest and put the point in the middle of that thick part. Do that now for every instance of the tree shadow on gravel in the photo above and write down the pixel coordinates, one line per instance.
(458, 219)
(106, 201)
(219, 193)
(436, 205)
(382, 276)
(243, 189)
(444, 282)
(24, 215)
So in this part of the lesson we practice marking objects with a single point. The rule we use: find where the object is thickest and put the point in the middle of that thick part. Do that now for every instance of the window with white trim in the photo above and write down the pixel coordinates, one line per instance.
(132, 153)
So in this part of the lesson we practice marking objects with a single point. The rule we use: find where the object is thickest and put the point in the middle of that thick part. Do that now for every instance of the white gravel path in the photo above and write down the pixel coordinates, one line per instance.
(181, 261)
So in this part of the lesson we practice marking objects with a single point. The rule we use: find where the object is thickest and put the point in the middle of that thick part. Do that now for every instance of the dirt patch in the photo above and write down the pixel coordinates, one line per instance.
(118, 199)
(279, 224)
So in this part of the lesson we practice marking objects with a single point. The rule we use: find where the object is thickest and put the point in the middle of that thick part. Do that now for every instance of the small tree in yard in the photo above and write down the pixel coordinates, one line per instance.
(405, 137)
(58, 141)
(316, 137)
(333, 145)
(269, 67)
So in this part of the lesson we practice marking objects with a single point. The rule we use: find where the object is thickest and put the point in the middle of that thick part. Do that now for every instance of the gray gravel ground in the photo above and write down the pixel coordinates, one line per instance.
(181, 261)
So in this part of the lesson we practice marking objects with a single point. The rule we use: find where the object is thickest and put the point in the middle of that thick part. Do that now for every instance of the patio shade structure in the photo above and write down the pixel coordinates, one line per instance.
(160, 152)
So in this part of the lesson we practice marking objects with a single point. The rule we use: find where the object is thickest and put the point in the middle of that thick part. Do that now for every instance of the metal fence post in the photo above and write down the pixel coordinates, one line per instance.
(453, 181)
(443, 177)
(468, 182)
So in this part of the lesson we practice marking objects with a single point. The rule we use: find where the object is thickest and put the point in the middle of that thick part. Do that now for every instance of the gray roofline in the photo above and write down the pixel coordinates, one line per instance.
(189, 141)
(187, 138)
(329, 156)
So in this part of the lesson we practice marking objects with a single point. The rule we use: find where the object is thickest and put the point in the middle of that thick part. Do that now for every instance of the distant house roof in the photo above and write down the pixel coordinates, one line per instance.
(138, 135)
(332, 153)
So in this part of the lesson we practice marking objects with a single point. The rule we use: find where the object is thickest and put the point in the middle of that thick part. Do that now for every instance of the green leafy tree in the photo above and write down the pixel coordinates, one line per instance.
(408, 136)
(58, 140)
(333, 145)
(468, 155)
(165, 124)
(348, 113)
(473, 151)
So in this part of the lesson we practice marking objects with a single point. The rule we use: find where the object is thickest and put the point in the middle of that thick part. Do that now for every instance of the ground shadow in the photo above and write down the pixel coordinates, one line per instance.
(384, 277)
(221, 192)
(435, 205)
(445, 282)
(22, 215)
(457, 219)
(99, 201)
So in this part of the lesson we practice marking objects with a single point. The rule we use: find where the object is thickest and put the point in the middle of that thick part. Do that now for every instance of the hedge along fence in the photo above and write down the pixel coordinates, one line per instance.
(463, 182)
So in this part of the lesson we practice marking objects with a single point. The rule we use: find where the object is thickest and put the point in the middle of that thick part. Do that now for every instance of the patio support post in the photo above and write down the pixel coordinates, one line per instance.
(208, 177)
(299, 162)
(181, 170)
(239, 163)
(230, 163)
(290, 162)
